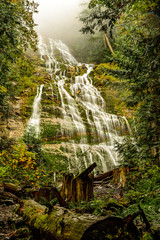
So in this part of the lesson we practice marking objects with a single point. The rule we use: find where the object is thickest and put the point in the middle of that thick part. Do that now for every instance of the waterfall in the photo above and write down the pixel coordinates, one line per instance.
(64, 50)
(34, 122)
(91, 131)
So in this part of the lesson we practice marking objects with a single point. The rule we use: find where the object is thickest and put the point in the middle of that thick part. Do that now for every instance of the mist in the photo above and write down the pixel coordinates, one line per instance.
(58, 19)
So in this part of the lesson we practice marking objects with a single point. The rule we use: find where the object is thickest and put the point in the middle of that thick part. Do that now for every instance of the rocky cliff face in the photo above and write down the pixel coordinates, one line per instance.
(16, 111)
(12, 125)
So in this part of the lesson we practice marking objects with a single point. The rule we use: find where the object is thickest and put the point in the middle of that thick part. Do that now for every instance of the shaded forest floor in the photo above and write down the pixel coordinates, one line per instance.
(108, 201)
(12, 225)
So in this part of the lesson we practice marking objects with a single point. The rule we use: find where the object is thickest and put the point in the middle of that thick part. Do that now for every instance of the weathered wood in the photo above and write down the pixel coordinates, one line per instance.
(45, 194)
(62, 203)
(82, 189)
(60, 223)
(85, 173)
(12, 188)
(63, 224)
(66, 191)
(48, 193)
(111, 228)
(130, 217)
(103, 176)
(78, 188)
(119, 176)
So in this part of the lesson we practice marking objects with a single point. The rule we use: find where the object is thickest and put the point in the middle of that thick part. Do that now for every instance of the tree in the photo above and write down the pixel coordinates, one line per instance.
(101, 17)
(16, 35)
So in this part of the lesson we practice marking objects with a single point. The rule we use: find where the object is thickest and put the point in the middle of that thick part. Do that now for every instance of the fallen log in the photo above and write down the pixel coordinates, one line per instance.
(118, 176)
(12, 188)
(64, 224)
(103, 176)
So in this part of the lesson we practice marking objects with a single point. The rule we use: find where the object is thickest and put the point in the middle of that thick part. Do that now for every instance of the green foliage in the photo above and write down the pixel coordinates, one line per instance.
(138, 54)
(99, 206)
(18, 162)
(47, 162)
(33, 143)
(113, 89)
(28, 164)
(54, 162)
(21, 77)
(102, 15)
(142, 181)
(49, 132)
(6, 143)
(16, 34)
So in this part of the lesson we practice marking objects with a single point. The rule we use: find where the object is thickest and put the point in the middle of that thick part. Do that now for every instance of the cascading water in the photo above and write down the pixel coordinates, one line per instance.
(89, 131)
(34, 122)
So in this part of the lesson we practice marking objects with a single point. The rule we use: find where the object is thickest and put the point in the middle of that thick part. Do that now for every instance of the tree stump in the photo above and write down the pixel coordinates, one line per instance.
(78, 188)
(119, 176)
(66, 191)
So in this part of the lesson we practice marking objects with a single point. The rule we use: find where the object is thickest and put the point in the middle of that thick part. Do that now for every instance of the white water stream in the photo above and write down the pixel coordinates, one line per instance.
(34, 122)
(83, 111)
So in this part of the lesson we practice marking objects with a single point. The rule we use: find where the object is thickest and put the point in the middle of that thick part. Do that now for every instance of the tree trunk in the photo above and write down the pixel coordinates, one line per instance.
(108, 42)
(63, 224)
